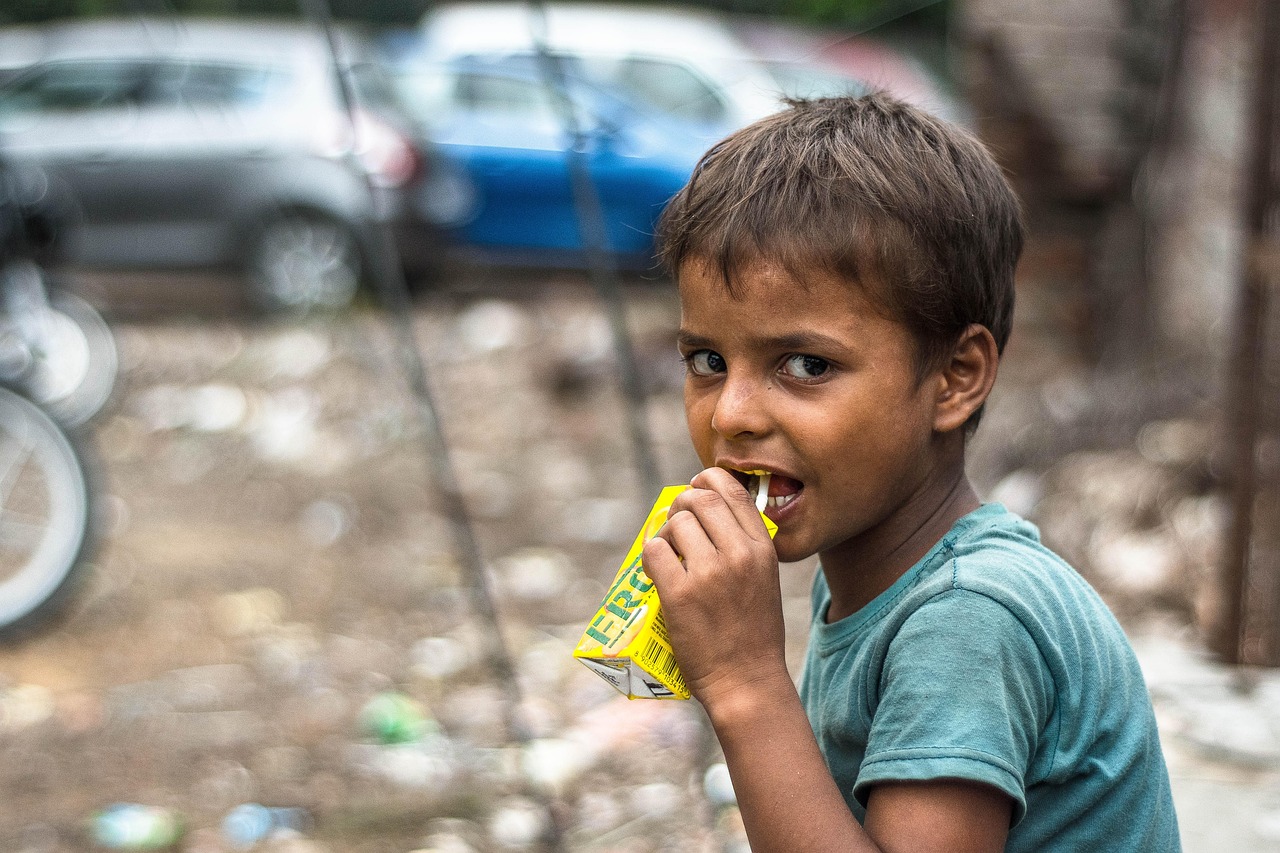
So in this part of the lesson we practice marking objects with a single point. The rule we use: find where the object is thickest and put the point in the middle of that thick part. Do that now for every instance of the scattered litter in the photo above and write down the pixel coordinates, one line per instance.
(249, 823)
(656, 799)
(249, 611)
(518, 823)
(1019, 491)
(491, 325)
(556, 762)
(424, 765)
(439, 658)
(132, 826)
(324, 522)
(283, 428)
(718, 787)
(295, 354)
(25, 705)
(535, 574)
(391, 718)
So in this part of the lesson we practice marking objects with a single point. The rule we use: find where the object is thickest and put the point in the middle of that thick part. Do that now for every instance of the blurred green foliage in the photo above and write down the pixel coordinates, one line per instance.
(857, 14)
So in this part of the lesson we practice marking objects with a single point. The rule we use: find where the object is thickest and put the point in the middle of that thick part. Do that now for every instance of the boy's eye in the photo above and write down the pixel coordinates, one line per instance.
(805, 366)
(705, 362)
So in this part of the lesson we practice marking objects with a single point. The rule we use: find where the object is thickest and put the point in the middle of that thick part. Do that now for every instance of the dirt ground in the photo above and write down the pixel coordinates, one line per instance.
(273, 557)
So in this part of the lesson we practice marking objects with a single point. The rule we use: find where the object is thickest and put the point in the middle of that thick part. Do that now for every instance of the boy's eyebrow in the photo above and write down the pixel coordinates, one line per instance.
(798, 341)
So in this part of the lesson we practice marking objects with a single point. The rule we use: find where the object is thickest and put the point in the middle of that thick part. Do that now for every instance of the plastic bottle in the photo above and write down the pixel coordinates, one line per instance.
(248, 823)
(131, 826)
(391, 718)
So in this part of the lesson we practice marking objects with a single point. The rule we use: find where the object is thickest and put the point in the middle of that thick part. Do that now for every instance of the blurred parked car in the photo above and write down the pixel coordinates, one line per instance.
(685, 63)
(651, 87)
(648, 90)
(507, 135)
(187, 144)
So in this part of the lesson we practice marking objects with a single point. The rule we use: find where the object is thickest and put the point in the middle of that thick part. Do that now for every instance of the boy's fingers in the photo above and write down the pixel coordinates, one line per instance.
(715, 519)
(660, 562)
(736, 498)
(688, 534)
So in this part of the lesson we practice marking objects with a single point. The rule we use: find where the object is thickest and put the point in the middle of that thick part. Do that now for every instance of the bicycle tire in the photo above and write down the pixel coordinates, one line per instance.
(74, 372)
(45, 514)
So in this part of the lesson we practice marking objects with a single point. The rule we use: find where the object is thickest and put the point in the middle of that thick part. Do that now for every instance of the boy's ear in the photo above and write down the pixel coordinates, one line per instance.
(966, 380)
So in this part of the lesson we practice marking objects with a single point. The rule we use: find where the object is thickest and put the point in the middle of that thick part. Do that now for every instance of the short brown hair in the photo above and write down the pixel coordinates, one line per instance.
(871, 189)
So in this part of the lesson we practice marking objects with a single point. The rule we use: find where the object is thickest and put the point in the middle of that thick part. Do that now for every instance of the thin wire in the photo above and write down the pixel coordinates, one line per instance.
(593, 232)
(388, 275)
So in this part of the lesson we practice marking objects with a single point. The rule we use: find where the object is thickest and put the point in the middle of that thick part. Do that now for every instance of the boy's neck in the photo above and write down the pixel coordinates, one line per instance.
(862, 568)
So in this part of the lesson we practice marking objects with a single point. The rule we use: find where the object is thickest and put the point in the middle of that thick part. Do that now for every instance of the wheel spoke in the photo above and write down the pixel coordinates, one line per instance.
(20, 534)
(12, 463)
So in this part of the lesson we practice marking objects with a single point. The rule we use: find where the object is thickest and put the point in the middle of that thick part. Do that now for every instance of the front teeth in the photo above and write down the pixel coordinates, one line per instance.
(777, 501)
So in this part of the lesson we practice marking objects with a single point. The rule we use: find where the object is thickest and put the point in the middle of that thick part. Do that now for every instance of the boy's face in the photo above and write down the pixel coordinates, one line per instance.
(814, 384)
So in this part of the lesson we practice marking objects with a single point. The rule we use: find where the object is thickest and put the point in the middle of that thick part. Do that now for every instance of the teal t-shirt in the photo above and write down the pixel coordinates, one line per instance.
(992, 660)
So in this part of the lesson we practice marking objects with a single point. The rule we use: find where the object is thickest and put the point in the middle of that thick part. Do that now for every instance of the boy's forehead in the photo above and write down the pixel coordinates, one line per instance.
(753, 278)
(763, 282)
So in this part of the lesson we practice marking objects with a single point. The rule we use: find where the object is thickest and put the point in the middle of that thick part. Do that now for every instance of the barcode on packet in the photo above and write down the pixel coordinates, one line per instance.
(661, 661)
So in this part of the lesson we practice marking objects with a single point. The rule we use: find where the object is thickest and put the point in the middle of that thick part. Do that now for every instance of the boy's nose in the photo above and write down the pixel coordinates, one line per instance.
(739, 410)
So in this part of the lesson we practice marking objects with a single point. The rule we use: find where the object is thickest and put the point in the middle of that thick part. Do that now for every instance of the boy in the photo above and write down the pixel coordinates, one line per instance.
(845, 270)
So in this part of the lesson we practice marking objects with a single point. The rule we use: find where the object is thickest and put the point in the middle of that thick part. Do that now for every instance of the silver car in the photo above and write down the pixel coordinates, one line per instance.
(186, 144)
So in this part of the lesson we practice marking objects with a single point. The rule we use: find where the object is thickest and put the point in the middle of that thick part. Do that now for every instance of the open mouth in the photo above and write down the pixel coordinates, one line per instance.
(767, 489)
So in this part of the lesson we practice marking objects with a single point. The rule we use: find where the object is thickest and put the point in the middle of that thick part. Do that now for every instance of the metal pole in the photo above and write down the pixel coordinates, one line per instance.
(595, 243)
(393, 290)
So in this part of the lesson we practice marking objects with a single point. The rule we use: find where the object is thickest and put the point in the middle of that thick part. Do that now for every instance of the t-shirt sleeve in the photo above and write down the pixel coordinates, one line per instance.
(964, 693)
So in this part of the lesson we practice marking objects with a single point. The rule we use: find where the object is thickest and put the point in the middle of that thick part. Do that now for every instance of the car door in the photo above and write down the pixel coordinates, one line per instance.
(78, 121)
(152, 152)
(506, 134)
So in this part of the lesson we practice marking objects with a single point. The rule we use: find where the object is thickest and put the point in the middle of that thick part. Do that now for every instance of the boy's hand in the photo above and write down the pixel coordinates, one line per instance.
(717, 576)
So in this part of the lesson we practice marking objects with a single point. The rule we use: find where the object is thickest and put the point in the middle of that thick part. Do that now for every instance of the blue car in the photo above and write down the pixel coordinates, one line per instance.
(506, 130)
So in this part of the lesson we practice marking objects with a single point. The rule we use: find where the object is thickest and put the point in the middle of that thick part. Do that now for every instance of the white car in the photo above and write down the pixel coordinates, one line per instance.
(185, 144)
(684, 63)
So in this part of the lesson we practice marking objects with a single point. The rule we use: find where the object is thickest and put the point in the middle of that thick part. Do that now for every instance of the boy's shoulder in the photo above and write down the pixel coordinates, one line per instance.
(992, 568)
(996, 555)
(993, 550)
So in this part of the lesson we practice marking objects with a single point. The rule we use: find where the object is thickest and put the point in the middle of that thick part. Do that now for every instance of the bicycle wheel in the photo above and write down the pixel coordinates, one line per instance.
(76, 361)
(44, 514)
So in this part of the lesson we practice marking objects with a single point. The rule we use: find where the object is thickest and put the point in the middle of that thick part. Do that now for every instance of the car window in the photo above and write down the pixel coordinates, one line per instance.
(212, 84)
(77, 86)
(372, 86)
(98, 85)
(664, 85)
(497, 93)
(439, 96)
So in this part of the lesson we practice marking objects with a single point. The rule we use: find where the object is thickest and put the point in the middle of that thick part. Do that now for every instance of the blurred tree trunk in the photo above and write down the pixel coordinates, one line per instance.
(1150, 50)
(1249, 628)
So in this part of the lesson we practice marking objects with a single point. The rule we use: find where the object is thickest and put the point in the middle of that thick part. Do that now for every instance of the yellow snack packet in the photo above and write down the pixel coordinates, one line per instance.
(626, 643)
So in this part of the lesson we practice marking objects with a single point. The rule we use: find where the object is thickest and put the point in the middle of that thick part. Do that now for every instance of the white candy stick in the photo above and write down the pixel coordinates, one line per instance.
(762, 492)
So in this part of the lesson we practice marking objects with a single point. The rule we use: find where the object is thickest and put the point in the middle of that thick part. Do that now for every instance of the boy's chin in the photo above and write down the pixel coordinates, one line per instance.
(790, 552)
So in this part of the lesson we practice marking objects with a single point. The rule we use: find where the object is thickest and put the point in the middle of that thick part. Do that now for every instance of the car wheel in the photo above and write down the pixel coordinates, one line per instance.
(302, 262)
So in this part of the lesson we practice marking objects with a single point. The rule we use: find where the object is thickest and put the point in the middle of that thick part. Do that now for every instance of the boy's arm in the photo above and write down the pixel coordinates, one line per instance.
(790, 802)
(717, 578)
